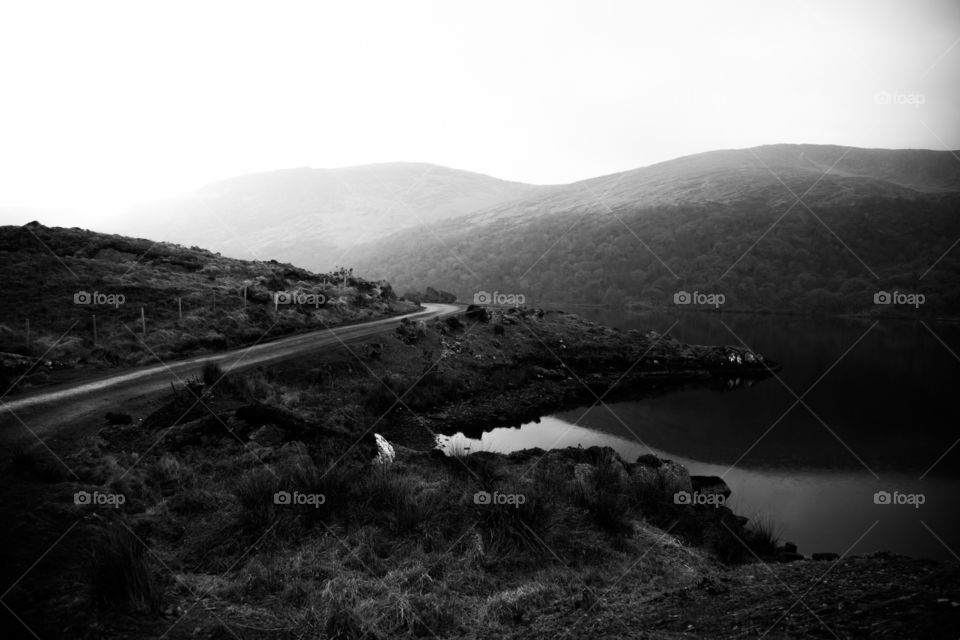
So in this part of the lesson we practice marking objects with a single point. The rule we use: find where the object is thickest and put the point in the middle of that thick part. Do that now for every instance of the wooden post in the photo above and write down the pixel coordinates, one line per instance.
(143, 321)
(214, 300)
(244, 297)
(180, 308)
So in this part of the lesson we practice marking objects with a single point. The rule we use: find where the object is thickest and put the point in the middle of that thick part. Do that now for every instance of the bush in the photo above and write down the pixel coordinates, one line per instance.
(394, 498)
(483, 469)
(119, 571)
(118, 418)
(337, 484)
(523, 527)
(603, 494)
(255, 493)
(211, 373)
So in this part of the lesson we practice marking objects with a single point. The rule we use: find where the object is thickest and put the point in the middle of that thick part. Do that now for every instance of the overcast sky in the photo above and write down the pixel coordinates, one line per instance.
(105, 104)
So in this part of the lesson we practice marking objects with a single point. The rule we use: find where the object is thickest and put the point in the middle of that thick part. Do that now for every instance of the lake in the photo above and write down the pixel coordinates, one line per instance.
(877, 412)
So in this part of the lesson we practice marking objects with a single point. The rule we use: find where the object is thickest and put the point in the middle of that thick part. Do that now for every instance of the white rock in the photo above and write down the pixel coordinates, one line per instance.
(385, 452)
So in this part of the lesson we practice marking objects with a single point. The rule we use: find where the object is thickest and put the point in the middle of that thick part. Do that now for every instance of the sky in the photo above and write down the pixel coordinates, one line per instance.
(107, 104)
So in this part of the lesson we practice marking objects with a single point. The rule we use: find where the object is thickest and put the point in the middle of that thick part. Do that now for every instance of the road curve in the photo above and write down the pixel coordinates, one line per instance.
(46, 411)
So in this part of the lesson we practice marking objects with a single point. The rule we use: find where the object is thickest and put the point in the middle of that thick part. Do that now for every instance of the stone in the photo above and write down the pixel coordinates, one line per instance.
(385, 451)
(711, 485)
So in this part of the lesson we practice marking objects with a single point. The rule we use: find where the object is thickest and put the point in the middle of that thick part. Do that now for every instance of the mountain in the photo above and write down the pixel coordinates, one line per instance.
(727, 222)
(312, 217)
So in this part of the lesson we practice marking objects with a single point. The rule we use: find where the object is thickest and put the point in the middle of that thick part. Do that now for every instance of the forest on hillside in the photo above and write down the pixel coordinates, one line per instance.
(831, 260)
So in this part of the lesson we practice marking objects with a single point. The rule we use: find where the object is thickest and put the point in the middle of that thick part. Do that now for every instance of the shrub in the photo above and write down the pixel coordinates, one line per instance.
(118, 418)
(336, 483)
(255, 493)
(395, 499)
(482, 468)
(119, 571)
(522, 527)
(211, 373)
(603, 494)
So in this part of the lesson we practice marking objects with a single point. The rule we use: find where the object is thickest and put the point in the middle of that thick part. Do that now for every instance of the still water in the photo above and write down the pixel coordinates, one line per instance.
(860, 407)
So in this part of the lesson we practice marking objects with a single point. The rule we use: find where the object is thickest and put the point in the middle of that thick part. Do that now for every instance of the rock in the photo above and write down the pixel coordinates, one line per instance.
(668, 479)
(784, 556)
(710, 485)
(385, 451)
(675, 477)
(649, 460)
(789, 547)
(825, 556)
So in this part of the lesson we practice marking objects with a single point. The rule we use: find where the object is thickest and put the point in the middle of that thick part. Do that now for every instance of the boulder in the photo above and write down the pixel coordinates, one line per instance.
(786, 556)
(385, 451)
(669, 478)
(710, 485)
(649, 460)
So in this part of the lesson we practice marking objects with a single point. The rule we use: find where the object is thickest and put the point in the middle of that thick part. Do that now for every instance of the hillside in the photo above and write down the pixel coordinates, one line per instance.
(725, 222)
(312, 217)
(75, 299)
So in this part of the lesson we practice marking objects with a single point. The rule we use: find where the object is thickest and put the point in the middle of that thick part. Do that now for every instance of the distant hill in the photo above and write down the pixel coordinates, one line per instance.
(724, 221)
(68, 282)
(312, 217)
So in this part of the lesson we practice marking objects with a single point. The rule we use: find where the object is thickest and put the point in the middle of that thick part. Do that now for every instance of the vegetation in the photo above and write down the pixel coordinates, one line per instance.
(806, 263)
(193, 301)
(269, 495)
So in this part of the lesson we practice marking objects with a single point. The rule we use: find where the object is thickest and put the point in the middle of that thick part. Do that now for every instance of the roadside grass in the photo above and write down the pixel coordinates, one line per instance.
(119, 571)
(404, 549)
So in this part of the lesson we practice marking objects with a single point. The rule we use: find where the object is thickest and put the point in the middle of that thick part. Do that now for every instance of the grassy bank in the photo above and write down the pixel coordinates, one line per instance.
(253, 506)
